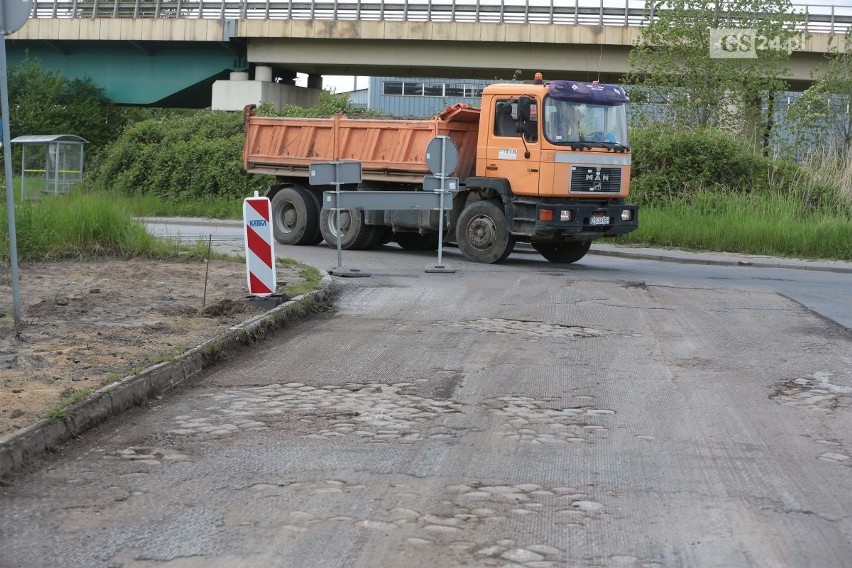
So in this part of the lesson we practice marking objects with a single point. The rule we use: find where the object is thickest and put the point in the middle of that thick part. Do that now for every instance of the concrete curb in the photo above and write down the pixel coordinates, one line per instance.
(24, 445)
(759, 262)
(710, 258)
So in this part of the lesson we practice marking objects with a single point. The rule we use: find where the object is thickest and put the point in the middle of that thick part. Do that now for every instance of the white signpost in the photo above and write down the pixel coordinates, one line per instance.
(13, 15)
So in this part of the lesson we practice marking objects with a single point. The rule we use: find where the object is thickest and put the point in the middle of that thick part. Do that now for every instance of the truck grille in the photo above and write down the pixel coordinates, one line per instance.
(593, 179)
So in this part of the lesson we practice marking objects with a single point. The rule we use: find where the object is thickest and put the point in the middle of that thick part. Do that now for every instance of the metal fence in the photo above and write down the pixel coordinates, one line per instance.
(816, 18)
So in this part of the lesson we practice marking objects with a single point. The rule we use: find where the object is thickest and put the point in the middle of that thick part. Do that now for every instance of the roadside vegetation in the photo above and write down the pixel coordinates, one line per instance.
(192, 159)
(80, 226)
(704, 189)
(705, 179)
(58, 410)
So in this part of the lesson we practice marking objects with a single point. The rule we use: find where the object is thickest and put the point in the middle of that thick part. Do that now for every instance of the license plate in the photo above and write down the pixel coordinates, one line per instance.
(599, 220)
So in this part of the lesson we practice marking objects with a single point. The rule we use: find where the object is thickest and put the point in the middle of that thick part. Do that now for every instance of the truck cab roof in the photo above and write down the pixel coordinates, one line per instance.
(574, 91)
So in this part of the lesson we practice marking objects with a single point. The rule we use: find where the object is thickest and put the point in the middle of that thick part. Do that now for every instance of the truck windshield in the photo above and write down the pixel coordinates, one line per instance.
(567, 122)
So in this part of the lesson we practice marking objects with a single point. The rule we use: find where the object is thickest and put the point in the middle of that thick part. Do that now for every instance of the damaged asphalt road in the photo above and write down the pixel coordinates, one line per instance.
(499, 416)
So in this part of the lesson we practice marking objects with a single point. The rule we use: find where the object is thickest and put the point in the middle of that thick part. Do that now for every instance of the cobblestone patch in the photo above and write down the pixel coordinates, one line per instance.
(530, 328)
(529, 420)
(813, 392)
(375, 412)
(480, 522)
(147, 454)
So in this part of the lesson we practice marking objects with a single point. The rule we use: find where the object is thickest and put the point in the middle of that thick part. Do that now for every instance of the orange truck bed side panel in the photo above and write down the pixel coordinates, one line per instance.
(385, 148)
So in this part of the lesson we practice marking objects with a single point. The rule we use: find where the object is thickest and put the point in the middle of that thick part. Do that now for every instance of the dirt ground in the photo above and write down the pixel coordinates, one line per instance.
(86, 324)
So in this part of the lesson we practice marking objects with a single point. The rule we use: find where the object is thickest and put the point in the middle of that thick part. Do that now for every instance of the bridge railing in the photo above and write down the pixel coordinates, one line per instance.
(817, 18)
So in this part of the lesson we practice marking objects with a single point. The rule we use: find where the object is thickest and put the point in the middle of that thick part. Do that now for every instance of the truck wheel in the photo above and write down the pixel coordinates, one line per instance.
(294, 217)
(315, 197)
(563, 252)
(482, 233)
(354, 233)
(416, 241)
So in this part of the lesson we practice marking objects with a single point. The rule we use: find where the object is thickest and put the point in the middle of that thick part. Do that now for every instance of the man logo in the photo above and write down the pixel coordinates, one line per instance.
(596, 176)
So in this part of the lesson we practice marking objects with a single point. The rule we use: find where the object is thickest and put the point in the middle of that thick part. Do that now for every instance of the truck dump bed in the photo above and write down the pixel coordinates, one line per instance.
(389, 150)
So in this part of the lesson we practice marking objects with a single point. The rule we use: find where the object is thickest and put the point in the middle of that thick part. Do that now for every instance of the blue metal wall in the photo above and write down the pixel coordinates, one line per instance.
(421, 96)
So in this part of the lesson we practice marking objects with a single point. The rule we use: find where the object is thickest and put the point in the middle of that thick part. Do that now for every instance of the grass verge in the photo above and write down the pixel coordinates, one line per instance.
(58, 411)
(79, 226)
(749, 224)
(210, 208)
(311, 276)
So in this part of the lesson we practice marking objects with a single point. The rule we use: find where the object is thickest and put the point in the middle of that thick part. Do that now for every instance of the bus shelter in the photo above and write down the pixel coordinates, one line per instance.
(51, 164)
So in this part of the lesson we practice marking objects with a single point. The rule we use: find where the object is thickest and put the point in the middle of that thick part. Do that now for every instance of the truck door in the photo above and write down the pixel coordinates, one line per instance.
(505, 156)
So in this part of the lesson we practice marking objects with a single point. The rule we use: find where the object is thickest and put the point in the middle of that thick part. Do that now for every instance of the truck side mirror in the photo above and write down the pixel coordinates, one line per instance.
(524, 106)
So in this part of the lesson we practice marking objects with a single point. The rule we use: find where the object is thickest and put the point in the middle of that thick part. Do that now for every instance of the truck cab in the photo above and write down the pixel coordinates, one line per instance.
(556, 157)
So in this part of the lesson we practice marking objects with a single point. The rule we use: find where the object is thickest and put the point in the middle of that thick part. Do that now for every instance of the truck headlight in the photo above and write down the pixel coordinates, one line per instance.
(566, 215)
(626, 215)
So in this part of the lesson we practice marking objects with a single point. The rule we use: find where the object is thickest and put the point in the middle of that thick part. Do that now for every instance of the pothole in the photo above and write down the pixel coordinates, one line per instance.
(531, 328)
(813, 392)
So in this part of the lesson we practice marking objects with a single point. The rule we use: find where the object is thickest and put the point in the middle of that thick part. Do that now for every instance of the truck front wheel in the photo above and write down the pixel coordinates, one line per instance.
(482, 233)
(354, 233)
(295, 220)
(565, 253)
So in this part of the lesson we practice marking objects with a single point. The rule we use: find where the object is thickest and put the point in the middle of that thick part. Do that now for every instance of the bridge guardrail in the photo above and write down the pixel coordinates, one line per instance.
(823, 18)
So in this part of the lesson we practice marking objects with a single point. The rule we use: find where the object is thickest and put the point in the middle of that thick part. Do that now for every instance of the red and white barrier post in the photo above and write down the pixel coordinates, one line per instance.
(259, 244)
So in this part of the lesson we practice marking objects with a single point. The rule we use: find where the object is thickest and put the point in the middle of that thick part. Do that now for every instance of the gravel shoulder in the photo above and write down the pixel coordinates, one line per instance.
(85, 324)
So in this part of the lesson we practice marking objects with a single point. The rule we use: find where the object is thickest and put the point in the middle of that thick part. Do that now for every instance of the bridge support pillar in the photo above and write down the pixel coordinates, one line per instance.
(238, 92)
(263, 73)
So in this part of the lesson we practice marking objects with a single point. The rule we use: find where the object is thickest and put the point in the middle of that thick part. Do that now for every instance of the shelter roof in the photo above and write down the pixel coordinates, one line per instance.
(48, 138)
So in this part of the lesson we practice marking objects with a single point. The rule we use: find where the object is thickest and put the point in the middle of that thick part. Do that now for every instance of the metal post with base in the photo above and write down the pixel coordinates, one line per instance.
(442, 156)
(337, 173)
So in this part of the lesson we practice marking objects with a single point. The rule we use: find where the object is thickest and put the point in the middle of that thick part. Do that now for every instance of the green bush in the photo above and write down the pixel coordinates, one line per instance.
(329, 104)
(676, 165)
(179, 158)
(191, 164)
(669, 162)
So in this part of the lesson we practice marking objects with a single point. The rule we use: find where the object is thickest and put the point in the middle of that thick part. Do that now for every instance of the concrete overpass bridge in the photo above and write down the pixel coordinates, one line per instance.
(169, 52)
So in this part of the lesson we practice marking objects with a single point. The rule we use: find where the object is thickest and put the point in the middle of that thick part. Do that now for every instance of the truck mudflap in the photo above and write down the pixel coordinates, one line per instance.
(584, 220)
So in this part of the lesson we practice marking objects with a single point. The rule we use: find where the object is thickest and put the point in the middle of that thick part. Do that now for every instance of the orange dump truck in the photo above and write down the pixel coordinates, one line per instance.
(546, 163)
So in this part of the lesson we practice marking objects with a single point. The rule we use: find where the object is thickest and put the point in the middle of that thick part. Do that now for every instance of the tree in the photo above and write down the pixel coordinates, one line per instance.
(700, 73)
(45, 102)
(820, 120)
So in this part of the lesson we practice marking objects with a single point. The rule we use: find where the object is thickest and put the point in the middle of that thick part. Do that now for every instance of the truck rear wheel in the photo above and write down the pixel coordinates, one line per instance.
(354, 233)
(482, 233)
(295, 219)
(563, 252)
